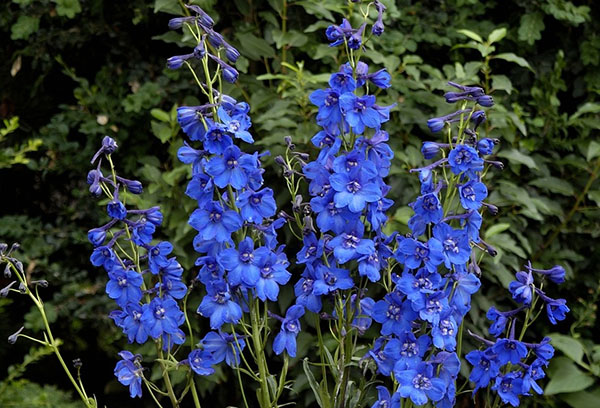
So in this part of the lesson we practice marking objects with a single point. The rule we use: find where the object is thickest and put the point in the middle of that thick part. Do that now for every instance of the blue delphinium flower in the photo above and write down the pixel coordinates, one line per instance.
(290, 327)
(509, 387)
(420, 384)
(273, 273)
(213, 222)
(509, 350)
(455, 244)
(384, 399)
(129, 373)
(465, 159)
(359, 112)
(237, 125)
(471, 194)
(200, 361)
(304, 290)
(224, 346)
(328, 101)
(485, 367)
(255, 206)
(350, 244)
(233, 168)
(394, 314)
(354, 189)
(219, 306)
(162, 316)
(241, 263)
(330, 279)
(124, 285)
(522, 289)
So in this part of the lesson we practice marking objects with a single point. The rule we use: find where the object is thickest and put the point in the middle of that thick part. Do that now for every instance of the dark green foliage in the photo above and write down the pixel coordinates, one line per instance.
(83, 69)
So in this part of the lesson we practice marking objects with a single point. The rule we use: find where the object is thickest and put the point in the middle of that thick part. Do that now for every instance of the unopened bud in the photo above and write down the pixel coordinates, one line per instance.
(288, 142)
(12, 339)
(7, 272)
(492, 209)
(14, 247)
(279, 160)
(43, 283)
(297, 204)
(22, 288)
(302, 156)
(4, 291)
(3, 247)
(77, 363)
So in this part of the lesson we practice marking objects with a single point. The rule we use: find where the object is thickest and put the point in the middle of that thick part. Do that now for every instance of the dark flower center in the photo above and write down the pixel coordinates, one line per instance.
(353, 186)
(420, 382)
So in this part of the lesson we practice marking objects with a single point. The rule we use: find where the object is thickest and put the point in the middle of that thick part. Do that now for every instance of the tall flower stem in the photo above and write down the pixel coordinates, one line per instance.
(265, 399)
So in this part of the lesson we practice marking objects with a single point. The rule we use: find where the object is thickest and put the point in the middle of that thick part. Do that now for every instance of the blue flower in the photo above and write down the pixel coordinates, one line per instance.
(556, 274)
(330, 217)
(311, 250)
(330, 279)
(237, 125)
(428, 208)
(471, 194)
(124, 286)
(384, 400)
(522, 289)
(509, 350)
(210, 269)
(273, 273)
(241, 264)
(415, 287)
(485, 146)
(416, 253)
(465, 159)
(431, 306)
(330, 115)
(116, 209)
(162, 317)
(342, 82)
(256, 205)
(359, 112)
(350, 244)
(129, 373)
(499, 320)
(411, 350)
(394, 315)
(157, 256)
(201, 361)
(141, 232)
(104, 256)
(189, 118)
(233, 168)
(455, 244)
(224, 346)
(444, 332)
(132, 324)
(213, 222)
(509, 387)
(555, 308)
(485, 367)
(200, 188)
(337, 34)
(219, 306)
(354, 189)
(380, 79)
(535, 371)
(420, 384)
(290, 327)
(304, 291)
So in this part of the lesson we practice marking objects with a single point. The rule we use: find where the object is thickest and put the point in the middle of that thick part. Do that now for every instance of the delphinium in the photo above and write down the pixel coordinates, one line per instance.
(241, 265)
(142, 278)
(508, 365)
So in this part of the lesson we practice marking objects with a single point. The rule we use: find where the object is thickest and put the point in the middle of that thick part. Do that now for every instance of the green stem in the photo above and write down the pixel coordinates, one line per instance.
(265, 399)
(195, 394)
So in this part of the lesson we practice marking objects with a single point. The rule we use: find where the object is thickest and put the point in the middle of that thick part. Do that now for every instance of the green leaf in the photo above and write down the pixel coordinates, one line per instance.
(593, 150)
(318, 9)
(570, 347)
(510, 57)
(554, 185)
(254, 47)
(594, 196)
(67, 8)
(289, 39)
(496, 229)
(501, 82)
(312, 382)
(24, 27)
(161, 131)
(567, 11)
(471, 35)
(496, 35)
(167, 6)
(515, 156)
(583, 399)
(161, 115)
(532, 25)
(588, 107)
(566, 377)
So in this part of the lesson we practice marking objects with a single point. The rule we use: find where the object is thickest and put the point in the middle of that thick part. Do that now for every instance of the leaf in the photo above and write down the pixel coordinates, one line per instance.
(532, 25)
(161, 131)
(67, 8)
(471, 35)
(254, 47)
(167, 6)
(160, 114)
(570, 347)
(510, 57)
(496, 35)
(515, 156)
(318, 9)
(593, 150)
(588, 107)
(567, 11)
(594, 196)
(496, 229)
(554, 185)
(567, 377)
(501, 82)
(312, 382)
(583, 399)
(24, 27)
(289, 39)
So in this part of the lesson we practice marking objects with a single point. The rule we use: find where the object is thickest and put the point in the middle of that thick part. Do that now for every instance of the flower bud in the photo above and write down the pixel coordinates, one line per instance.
(3, 247)
(77, 363)
(430, 150)
(4, 291)
(7, 272)
(12, 339)
(43, 283)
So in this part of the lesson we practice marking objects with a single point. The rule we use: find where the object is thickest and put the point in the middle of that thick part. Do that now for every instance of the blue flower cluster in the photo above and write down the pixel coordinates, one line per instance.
(346, 183)
(422, 314)
(240, 258)
(143, 280)
(503, 363)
